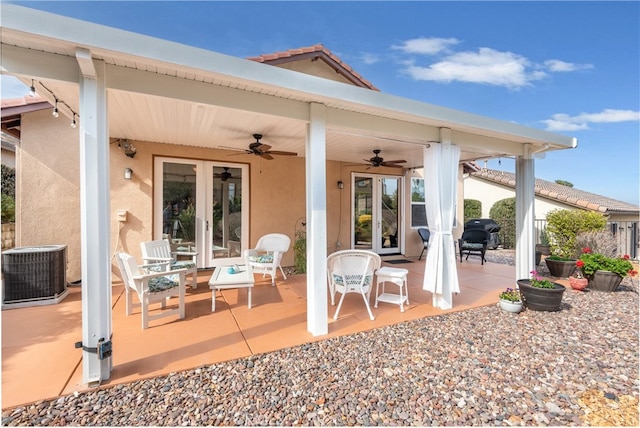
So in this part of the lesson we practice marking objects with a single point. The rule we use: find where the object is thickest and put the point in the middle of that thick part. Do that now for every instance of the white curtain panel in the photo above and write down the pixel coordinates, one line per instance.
(441, 188)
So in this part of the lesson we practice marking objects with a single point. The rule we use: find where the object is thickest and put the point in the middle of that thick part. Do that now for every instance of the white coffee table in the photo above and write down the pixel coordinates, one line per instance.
(223, 280)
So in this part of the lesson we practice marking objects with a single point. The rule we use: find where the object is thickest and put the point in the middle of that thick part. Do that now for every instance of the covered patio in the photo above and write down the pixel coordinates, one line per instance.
(39, 360)
(182, 101)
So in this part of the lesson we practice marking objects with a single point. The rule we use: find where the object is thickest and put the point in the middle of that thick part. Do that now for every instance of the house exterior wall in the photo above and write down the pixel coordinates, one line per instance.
(48, 212)
(48, 186)
(489, 193)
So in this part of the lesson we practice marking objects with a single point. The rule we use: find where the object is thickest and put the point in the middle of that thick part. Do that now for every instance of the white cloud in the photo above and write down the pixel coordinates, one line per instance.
(426, 45)
(564, 122)
(558, 66)
(369, 58)
(486, 66)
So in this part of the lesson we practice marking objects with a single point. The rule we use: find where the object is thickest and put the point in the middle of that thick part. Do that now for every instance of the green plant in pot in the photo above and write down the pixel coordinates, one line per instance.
(563, 226)
(510, 300)
(603, 272)
(540, 294)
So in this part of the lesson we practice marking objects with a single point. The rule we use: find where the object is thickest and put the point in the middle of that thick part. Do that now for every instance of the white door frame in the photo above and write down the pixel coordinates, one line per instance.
(204, 207)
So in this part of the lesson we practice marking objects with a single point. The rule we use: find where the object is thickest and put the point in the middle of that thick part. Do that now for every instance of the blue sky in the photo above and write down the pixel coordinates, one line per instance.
(568, 67)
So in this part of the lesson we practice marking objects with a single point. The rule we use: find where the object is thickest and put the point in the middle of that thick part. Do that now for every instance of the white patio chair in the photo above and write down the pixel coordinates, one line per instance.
(151, 287)
(159, 252)
(351, 271)
(266, 257)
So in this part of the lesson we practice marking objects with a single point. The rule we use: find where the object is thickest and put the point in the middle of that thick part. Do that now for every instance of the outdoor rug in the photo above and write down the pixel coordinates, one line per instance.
(397, 261)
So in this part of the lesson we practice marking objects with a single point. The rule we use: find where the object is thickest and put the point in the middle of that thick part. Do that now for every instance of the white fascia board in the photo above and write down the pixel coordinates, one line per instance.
(110, 41)
(44, 65)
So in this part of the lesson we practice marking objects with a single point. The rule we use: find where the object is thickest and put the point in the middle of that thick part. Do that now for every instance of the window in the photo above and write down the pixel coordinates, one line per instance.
(418, 210)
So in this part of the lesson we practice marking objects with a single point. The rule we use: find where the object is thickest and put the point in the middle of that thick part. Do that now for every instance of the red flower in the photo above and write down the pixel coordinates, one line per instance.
(632, 272)
(626, 257)
(586, 250)
(579, 263)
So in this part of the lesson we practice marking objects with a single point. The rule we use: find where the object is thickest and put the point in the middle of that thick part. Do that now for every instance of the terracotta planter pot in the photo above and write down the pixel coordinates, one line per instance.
(604, 280)
(578, 283)
(560, 268)
(541, 299)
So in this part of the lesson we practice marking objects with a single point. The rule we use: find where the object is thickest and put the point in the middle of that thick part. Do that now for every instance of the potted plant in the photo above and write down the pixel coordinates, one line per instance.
(560, 266)
(540, 294)
(563, 227)
(510, 300)
(543, 247)
(603, 272)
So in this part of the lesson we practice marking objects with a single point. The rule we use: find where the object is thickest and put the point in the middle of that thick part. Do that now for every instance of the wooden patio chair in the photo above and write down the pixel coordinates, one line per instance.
(159, 253)
(151, 287)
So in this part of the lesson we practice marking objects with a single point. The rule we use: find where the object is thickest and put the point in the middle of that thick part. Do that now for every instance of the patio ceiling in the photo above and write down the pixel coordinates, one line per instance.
(165, 92)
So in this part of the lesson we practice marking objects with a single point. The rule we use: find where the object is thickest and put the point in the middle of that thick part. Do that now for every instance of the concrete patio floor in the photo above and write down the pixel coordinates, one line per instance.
(39, 360)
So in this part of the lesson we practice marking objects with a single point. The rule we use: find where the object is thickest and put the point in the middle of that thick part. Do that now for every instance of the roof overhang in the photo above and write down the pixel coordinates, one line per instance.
(166, 92)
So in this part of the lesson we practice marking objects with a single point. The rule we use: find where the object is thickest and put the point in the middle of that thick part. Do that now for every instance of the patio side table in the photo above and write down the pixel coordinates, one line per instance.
(395, 276)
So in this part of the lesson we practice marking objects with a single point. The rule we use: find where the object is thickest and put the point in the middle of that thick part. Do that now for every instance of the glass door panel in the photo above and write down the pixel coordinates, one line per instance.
(376, 213)
(363, 212)
(179, 202)
(389, 216)
(226, 213)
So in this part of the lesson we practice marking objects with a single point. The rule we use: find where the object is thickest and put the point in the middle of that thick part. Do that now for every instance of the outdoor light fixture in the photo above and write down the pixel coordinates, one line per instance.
(340, 184)
(73, 122)
(127, 173)
(32, 90)
(55, 109)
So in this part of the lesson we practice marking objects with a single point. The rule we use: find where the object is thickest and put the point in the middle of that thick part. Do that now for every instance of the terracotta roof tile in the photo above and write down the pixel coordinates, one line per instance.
(570, 195)
(315, 51)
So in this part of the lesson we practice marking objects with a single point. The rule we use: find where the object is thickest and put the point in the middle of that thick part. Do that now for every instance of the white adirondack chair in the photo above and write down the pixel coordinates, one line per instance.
(151, 287)
(159, 252)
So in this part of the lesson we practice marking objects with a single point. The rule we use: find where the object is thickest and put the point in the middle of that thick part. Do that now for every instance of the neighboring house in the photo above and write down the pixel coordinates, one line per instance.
(489, 186)
(12, 109)
(162, 125)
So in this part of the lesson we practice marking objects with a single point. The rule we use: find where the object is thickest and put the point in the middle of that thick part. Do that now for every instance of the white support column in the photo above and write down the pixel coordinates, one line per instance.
(95, 219)
(316, 182)
(525, 214)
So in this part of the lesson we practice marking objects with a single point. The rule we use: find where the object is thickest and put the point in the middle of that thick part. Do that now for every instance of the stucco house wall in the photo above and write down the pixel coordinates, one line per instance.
(49, 204)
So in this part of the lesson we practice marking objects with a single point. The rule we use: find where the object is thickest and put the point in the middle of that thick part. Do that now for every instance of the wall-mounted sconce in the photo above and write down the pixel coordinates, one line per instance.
(340, 185)
(128, 172)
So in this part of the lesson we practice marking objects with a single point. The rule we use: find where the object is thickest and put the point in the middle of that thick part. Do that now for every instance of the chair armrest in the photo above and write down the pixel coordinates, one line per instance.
(184, 253)
(157, 259)
(180, 272)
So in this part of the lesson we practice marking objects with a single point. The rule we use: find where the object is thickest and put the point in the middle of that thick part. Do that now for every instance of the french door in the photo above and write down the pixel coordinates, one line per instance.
(376, 212)
(202, 206)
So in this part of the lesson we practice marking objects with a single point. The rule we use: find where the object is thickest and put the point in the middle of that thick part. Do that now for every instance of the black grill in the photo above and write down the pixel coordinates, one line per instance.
(486, 224)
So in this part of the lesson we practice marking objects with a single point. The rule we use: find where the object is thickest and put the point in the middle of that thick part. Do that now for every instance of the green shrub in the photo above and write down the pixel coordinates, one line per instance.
(8, 181)
(472, 209)
(503, 212)
(564, 225)
(300, 252)
(8, 209)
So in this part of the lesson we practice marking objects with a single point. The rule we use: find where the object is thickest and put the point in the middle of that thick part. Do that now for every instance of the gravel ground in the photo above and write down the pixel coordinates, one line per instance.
(480, 367)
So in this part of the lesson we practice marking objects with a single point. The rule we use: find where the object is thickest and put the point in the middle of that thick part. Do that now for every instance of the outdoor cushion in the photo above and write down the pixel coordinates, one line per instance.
(163, 283)
(261, 258)
(472, 245)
